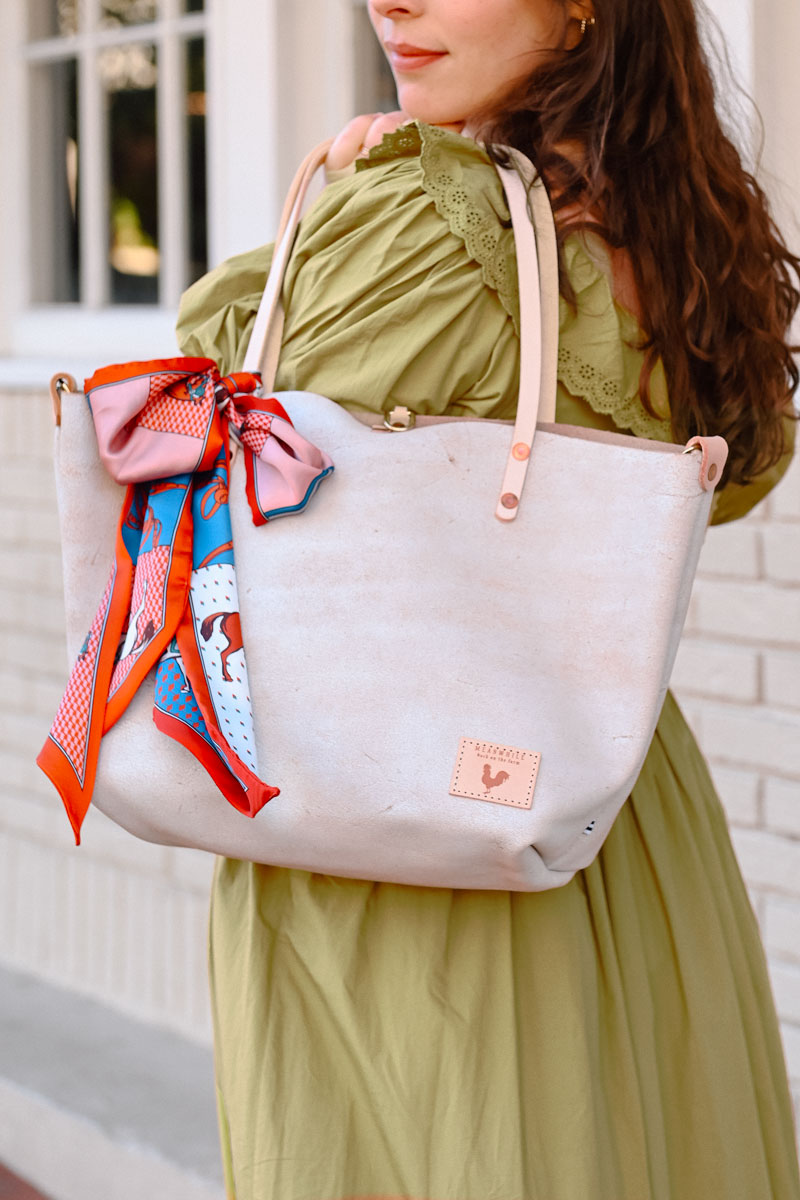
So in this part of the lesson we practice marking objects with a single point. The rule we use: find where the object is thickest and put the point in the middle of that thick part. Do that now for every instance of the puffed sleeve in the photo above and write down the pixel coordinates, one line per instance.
(402, 290)
(217, 312)
(386, 302)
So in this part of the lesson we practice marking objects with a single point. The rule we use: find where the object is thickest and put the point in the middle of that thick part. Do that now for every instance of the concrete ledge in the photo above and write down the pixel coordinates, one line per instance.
(94, 1106)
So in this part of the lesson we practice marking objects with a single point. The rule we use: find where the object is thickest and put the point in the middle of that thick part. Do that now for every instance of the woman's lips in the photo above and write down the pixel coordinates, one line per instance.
(404, 57)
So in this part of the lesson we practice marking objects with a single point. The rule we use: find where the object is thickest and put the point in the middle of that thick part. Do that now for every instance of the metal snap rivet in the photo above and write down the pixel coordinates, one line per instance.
(521, 451)
(712, 472)
(509, 500)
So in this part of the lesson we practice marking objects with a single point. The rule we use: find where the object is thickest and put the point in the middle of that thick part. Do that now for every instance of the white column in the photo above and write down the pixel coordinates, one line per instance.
(14, 230)
(244, 200)
(777, 92)
(172, 199)
(736, 20)
(93, 170)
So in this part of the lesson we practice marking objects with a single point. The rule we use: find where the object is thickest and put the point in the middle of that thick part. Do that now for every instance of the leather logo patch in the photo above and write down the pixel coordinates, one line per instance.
(499, 774)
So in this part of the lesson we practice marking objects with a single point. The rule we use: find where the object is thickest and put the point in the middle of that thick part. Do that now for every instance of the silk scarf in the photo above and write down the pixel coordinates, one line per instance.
(164, 428)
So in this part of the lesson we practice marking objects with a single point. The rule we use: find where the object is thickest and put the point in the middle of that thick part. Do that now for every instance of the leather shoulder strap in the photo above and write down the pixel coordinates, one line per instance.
(537, 259)
(264, 345)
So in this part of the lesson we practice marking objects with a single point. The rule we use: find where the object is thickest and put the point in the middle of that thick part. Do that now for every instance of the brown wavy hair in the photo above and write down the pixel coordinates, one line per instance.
(651, 170)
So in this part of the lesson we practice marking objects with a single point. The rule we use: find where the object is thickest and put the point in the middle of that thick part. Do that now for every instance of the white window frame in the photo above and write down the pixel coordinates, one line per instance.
(279, 77)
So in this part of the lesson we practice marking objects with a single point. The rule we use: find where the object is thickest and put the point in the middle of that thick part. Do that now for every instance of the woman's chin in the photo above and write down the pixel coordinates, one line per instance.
(429, 110)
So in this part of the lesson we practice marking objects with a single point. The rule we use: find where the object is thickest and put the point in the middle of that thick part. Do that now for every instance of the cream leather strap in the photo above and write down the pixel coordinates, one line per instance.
(537, 267)
(537, 262)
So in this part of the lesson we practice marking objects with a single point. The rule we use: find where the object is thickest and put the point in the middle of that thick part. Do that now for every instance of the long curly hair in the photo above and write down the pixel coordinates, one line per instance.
(623, 127)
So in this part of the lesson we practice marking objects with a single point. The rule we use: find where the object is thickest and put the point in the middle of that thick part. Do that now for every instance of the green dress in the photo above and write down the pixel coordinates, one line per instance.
(614, 1039)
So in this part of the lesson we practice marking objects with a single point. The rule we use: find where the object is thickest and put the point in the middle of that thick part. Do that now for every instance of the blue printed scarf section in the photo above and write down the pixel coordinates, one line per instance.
(171, 602)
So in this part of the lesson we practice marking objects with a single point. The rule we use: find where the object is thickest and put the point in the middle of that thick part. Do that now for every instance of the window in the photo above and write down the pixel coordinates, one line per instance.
(148, 140)
(118, 189)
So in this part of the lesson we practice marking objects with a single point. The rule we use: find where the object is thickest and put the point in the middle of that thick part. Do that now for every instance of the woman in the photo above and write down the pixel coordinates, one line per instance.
(614, 1039)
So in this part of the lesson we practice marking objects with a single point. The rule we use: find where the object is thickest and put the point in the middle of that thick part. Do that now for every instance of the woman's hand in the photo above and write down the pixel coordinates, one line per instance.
(358, 137)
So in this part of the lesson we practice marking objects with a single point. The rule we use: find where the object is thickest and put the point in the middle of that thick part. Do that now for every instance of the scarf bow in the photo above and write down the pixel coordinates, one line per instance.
(164, 428)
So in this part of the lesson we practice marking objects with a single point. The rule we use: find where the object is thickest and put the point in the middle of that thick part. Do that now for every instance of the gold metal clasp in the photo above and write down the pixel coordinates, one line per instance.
(397, 421)
(60, 383)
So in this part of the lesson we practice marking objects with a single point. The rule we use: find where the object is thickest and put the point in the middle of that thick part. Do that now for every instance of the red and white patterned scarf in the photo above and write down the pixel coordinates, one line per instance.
(163, 428)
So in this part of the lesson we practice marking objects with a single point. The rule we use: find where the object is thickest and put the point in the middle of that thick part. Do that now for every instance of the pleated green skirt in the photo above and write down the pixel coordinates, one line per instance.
(614, 1039)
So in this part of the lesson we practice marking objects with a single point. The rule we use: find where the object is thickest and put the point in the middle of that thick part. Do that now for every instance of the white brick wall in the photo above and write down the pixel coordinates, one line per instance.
(125, 921)
(738, 679)
(117, 919)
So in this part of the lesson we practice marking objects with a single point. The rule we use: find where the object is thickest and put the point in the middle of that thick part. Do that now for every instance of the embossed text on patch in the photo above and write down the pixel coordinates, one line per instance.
(499, 774)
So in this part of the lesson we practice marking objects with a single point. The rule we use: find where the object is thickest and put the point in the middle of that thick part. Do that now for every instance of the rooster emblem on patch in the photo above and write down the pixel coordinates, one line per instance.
(492, 781)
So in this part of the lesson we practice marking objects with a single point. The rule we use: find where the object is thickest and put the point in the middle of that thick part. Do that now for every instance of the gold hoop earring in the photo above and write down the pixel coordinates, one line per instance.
(586, 21)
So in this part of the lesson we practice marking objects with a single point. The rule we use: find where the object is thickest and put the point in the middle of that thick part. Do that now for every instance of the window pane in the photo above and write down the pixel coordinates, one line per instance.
(196, 141)
(54, 191)
(52, 18)
(129, 74)
(375, 89)
(127, 12)
(194, 5)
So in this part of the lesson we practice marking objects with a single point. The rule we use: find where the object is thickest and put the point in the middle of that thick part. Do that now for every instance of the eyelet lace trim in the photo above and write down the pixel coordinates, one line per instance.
(480, 227)
(404, 142)
(604, 396)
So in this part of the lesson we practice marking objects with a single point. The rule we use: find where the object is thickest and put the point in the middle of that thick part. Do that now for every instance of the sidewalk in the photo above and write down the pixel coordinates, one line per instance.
(94, 1104)
(14, 1188)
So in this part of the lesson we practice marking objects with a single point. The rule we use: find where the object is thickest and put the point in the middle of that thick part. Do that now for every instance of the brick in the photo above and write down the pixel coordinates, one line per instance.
(781, 927)
(9, 893)
(782, 677)
(750, 612)
(24, 733)
(104, 841)
(782, 806)
(786, 990)
(192, 870)
(768, 861)
(786, 496)
(175, 937)
(101, 928)
(782, 552)
(753, 737)
(26, 481)
(791, 1048)
(75, 923)
(137, 933)
(716, 669)
(36, 610)
(40, 653)
(199, 1022)
(29, 818)
(738, 790)
(34, 931)
(732, 550)
(28, 424)
(31, 527)
(22, 692)
(693, 710)
(33, 567)
(22, 779)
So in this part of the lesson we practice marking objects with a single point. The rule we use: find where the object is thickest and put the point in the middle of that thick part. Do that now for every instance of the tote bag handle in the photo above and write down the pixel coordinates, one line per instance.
(537, 265)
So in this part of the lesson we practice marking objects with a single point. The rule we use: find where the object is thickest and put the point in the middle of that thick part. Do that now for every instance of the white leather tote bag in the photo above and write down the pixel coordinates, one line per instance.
(443, 697)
